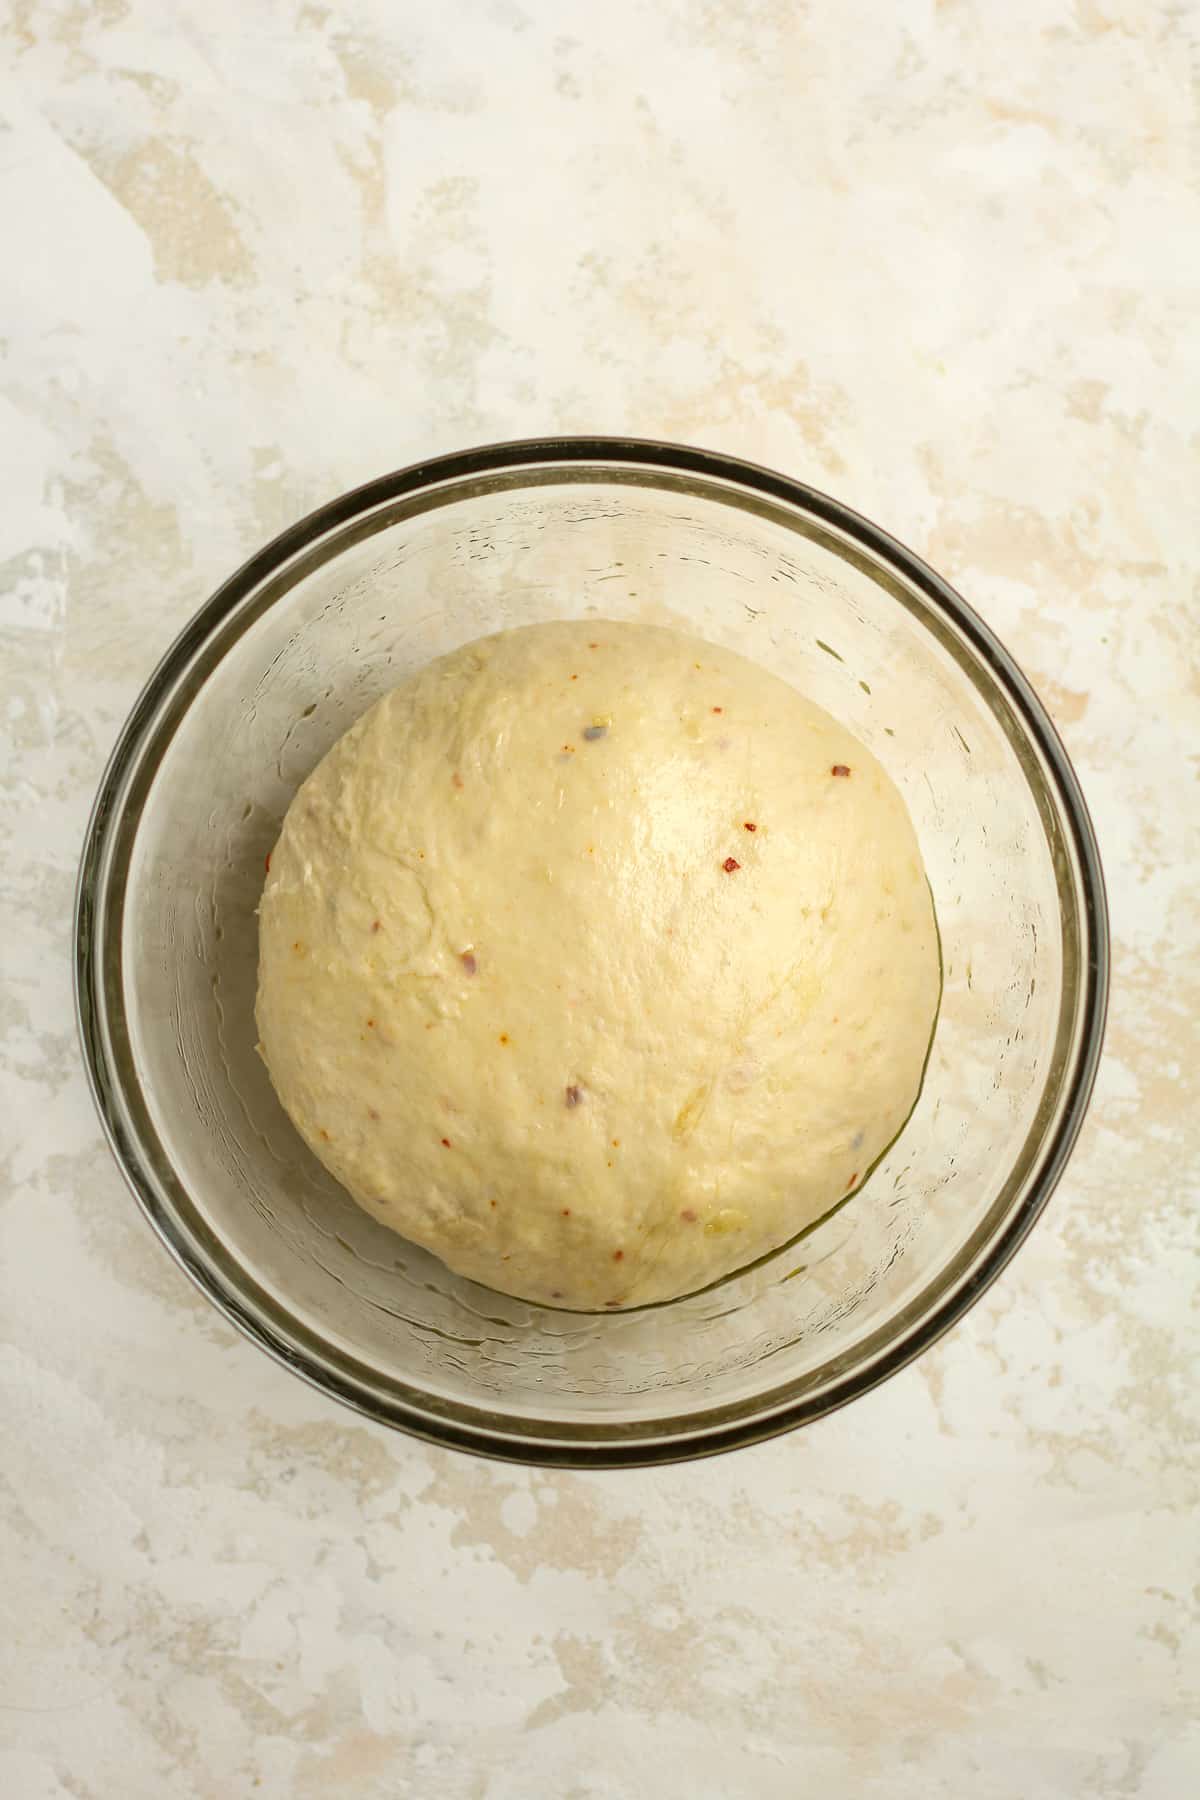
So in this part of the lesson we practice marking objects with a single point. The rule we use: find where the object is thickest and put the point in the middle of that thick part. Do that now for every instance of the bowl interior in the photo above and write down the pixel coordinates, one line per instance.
(277, 669)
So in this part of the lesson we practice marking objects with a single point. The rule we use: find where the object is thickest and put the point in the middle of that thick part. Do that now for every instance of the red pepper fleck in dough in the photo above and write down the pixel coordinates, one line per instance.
(566, 1212)
(468, 962)
(457, 779)
(574, 1095)
(372, 1112)
(268, 862)
(839, 769)
(618, 1256)
(730, 864)
(750, 825)
(852, 1180)
(377, 925)
(689, 1214)
(446, 1142)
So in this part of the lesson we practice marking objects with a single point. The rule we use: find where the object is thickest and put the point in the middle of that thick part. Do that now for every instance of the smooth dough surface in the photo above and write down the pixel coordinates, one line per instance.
(598, 961)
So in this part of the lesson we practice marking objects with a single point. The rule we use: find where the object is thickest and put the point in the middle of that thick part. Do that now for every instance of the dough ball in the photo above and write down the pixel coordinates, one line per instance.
(598, 961)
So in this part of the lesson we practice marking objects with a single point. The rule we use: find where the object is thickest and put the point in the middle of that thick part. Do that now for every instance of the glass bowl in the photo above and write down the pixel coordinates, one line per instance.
(301, 641)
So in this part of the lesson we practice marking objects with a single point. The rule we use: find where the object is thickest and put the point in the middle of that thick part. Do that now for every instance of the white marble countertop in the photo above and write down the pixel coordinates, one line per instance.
(940, 259)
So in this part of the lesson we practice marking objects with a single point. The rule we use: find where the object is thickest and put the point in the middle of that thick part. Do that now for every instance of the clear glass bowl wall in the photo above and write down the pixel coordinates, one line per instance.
(275, 669)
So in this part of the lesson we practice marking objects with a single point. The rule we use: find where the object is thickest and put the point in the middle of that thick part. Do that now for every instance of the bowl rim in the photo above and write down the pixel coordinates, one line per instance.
(479, 1430)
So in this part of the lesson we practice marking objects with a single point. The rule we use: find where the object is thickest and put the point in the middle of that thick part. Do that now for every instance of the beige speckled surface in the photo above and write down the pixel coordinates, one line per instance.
(940, 259)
